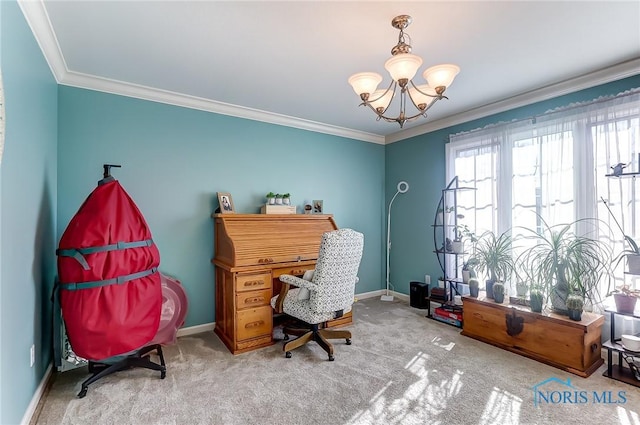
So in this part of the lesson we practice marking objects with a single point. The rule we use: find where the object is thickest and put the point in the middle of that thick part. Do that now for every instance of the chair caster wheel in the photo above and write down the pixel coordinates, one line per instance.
(288, 354)
(82, 393)
(331, 358)
(348, 341)
(286, 337)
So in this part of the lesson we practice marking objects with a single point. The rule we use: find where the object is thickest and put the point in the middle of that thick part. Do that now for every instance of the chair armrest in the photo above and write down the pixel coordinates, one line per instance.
(299, 282)
(288, 280)
(281, 296)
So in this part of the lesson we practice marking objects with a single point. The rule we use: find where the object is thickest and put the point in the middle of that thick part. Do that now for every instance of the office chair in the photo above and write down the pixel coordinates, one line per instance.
(327, 296)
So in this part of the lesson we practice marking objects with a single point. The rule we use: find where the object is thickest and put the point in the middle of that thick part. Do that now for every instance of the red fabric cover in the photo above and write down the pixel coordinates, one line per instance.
(114, 319)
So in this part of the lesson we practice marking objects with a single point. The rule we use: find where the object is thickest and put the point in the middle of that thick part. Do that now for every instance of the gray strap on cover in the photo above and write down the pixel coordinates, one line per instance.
(79, 253)
(116, 280)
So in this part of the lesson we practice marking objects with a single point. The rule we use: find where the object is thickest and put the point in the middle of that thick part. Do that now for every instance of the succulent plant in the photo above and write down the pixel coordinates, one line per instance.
(474, 282)
(574, 302)
(498, 288)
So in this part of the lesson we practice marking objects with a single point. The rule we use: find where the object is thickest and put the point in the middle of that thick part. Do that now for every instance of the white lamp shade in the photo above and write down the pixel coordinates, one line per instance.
(365, 82)
(403, 65)
(384, 101)
(441, 75)
(419, 98)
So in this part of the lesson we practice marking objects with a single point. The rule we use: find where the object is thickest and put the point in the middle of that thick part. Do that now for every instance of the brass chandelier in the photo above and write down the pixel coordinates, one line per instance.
(402, 66)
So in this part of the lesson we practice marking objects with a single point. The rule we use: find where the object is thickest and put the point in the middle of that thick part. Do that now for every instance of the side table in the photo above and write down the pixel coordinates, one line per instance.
(620, 373)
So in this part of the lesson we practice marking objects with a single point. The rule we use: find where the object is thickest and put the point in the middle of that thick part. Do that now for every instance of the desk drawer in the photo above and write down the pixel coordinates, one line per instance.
(297, 270)
(253, 299)
(252, 282)
(254, 322)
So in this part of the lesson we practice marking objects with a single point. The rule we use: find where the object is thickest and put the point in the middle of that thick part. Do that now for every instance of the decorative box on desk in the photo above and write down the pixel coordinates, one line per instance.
(546, 337)
(278, 209)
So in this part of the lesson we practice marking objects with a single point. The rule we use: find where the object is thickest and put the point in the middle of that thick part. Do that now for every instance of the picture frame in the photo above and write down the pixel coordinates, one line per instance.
(317, 206)
(226, 203)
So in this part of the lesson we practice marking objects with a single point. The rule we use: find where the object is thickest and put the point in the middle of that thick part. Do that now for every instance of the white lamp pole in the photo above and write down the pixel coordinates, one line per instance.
(403, 187)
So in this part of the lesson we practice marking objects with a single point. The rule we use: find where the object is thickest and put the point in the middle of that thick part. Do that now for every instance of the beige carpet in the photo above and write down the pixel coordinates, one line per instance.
(401, 369)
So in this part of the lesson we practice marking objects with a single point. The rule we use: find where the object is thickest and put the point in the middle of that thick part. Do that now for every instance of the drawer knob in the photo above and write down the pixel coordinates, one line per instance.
(253, 282)
(254, 324)
(297, 272)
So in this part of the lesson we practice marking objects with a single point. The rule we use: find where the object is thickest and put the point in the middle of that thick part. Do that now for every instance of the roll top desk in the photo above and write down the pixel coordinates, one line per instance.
(251, 252)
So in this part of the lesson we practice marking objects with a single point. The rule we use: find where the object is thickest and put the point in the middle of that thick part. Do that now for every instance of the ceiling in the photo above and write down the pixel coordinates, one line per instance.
(288, 62)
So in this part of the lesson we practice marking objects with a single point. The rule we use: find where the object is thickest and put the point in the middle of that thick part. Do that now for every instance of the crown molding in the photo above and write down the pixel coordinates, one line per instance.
(90, 82)
(603, 76)
(38, 20)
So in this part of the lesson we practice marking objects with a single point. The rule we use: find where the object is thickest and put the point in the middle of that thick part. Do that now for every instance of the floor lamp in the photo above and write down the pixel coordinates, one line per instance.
(403, 187)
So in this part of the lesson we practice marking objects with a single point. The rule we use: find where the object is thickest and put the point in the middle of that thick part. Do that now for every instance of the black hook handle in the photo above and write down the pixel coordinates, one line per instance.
(107, 169)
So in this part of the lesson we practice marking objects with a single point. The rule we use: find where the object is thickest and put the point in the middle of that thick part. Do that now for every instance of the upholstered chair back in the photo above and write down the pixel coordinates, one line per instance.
(336, 270)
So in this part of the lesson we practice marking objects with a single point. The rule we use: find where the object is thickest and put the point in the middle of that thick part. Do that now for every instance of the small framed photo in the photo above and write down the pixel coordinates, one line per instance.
(226, 203)
(317, 206)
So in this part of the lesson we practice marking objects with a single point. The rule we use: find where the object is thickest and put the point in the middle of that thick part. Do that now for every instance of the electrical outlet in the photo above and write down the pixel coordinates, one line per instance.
(33, 354)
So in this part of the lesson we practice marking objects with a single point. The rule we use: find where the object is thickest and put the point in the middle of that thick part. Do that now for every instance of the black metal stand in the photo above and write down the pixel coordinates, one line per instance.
(140, 358)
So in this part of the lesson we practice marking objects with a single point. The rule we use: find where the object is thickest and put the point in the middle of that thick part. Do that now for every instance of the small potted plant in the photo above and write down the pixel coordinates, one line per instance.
(536, 299)
(271, 198)
(625, 298)
(286, 199)
(574, 306)
(278, 199)
(474, 286)
(498, 292)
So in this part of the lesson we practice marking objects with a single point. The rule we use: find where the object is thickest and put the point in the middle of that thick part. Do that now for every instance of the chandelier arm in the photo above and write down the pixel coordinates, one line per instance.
(393, 83)
(437, 96)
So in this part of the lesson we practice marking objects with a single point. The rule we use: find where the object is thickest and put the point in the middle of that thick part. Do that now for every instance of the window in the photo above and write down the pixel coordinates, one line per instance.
(553, 168)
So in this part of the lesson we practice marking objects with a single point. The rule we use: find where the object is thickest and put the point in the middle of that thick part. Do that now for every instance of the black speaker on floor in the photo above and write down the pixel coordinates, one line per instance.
(418, 293)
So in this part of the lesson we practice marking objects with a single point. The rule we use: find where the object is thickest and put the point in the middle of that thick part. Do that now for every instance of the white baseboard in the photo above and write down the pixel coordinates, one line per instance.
(205, 327)
(37, 396)
(380, 292)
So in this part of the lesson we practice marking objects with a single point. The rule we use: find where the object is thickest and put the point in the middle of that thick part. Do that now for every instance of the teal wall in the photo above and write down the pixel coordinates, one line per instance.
(420, 161)
(27, 213)
(174, 160)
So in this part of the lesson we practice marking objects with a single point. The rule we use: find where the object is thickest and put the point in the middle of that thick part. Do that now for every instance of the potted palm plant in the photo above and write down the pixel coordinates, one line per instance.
(492, 254)
(566, 262)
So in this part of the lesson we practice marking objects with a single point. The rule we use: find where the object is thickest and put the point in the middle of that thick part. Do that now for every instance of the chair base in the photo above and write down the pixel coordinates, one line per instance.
(140, 358)
(314, 333)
